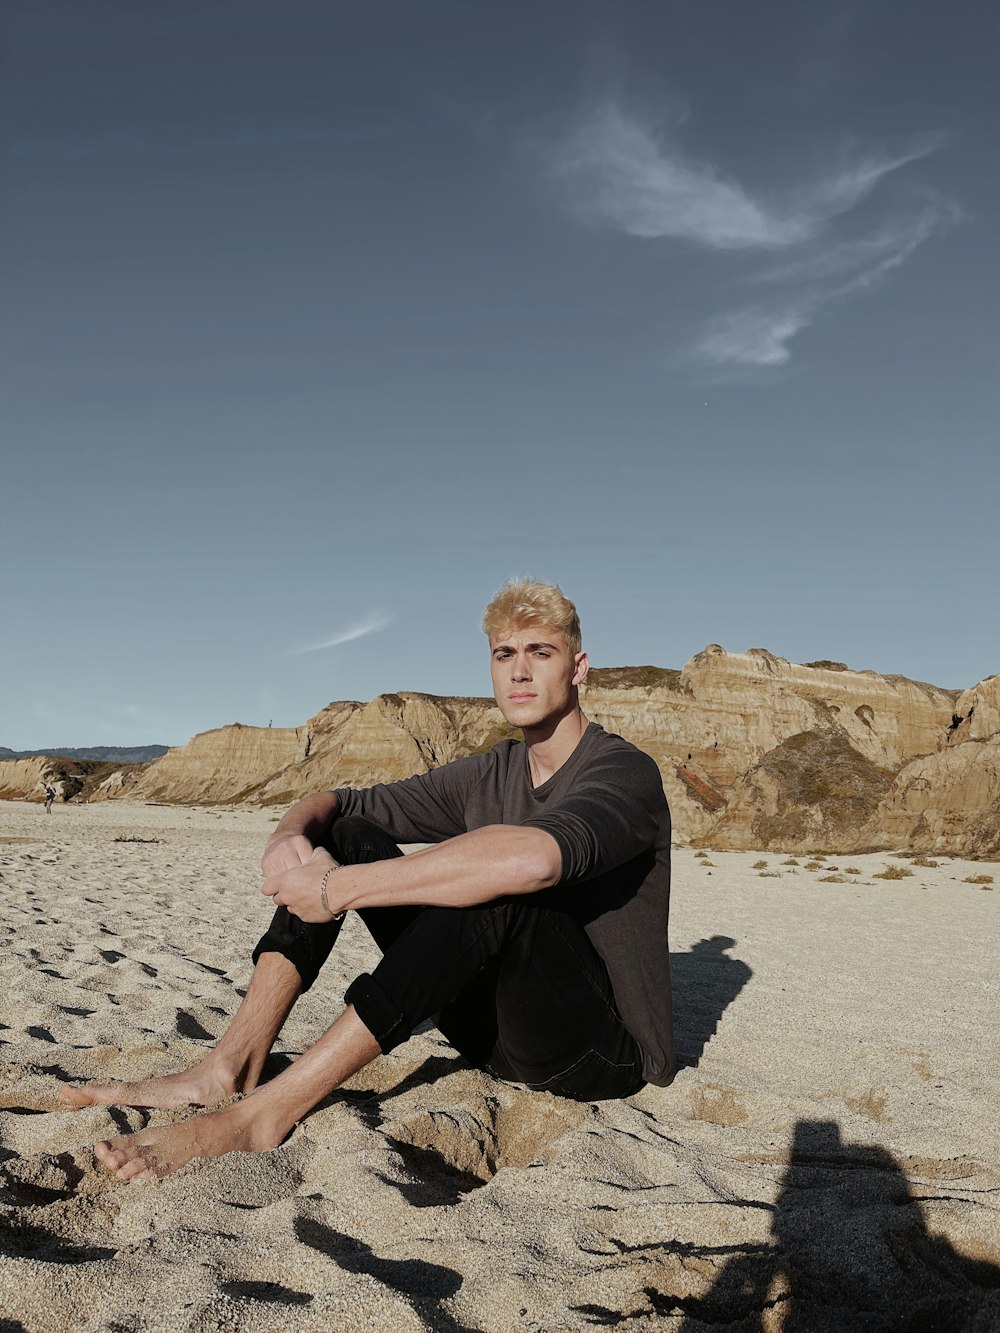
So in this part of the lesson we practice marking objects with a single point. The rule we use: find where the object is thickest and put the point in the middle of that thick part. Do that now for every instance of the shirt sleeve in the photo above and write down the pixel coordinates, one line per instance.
(428, 807)
(613, 815)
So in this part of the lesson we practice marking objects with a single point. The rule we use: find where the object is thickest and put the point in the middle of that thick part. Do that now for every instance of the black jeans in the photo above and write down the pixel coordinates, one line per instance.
(514, 984)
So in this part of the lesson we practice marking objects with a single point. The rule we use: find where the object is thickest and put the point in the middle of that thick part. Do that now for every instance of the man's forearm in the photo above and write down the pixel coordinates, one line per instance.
(311, 817)
(473, 868)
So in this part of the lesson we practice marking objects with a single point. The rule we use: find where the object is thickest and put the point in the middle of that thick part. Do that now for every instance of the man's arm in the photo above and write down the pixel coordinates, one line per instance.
(299, 832)
(474, 867)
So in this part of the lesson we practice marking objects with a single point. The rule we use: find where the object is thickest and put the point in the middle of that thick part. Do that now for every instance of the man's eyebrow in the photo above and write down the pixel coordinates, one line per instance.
(509, 647)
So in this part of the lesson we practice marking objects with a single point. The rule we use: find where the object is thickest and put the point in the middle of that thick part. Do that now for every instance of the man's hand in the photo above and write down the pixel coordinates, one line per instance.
(303, 827)
(297, 885)
(284, 851)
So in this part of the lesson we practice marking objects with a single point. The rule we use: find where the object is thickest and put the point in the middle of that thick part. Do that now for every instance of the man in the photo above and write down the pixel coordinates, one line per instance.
(533, 931)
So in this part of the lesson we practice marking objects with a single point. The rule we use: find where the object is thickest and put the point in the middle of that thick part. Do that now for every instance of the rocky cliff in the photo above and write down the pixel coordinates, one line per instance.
(755, 751)
(949, 800)
(946, 802)
(394, 736)
(708, 725)
(228, 764)
(26, 779)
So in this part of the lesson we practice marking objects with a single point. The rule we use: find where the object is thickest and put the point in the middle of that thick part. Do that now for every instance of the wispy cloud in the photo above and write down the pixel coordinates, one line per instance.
(876, 254)
(618, 172)
(371, 624)
(753, 337)
(759, 335)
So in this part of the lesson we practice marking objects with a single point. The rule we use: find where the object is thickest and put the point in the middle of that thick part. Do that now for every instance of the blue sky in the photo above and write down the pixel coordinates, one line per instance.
(320, 320)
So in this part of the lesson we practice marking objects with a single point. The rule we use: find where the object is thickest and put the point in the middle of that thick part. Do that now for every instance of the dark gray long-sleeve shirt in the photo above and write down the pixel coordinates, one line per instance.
(606, 809)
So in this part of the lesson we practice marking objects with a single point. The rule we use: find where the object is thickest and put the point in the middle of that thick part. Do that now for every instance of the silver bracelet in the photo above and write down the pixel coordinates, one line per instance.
(337, 916)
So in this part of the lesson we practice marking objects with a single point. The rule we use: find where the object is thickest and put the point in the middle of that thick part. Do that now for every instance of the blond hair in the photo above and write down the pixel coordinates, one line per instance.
(524, 602)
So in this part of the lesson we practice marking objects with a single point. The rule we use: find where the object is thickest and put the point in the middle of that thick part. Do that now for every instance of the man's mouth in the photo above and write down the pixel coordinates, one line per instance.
(520, 698)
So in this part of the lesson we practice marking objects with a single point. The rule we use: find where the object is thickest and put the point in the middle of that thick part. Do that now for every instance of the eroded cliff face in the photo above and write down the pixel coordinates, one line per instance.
(227, 764)
(756, 700)
(947, 802)
(25, 779)
(977, 713)
(710, 725)
(393, 737)
(754, 751)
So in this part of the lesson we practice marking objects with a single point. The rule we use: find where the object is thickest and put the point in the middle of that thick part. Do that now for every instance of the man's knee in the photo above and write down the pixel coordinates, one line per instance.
(354, 840)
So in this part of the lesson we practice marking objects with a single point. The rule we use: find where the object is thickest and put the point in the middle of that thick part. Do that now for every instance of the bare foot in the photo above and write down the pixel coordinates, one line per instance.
(208, 1083)
(241, 1127)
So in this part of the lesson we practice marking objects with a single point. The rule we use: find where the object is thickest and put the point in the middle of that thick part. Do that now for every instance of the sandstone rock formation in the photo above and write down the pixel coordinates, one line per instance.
(947, 802)
(977, 713)
(25, 779)
(227, 764)
(710, 724)
(392, 737)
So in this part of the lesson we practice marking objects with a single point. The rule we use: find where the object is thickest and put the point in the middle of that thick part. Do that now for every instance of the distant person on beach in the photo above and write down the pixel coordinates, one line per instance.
(533, 933)
(50, 796)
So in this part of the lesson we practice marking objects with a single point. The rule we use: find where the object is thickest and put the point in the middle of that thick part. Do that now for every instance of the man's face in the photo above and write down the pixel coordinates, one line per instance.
(534, 674)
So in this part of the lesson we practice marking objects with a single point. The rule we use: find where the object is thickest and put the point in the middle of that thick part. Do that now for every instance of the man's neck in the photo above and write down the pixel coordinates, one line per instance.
(550, 746)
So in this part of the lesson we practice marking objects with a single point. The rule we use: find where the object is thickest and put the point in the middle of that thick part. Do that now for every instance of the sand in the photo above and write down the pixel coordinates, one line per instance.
(826, 1158)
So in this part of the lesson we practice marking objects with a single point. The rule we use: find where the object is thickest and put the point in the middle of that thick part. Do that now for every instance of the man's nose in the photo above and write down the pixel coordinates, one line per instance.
(522, 669)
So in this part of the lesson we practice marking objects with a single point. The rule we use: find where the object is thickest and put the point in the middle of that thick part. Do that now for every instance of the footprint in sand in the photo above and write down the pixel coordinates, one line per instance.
(461, 1147)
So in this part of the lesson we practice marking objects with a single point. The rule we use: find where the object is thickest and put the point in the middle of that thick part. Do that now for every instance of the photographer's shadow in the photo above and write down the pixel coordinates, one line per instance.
(850, 1250)
(705, 982)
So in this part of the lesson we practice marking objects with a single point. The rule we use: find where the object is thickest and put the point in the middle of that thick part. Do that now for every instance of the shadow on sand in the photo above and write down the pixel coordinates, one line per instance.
(851, 1250)
(705, 982)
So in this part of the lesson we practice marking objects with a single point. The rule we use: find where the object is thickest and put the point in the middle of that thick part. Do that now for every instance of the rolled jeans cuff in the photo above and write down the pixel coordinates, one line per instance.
(305, 944)
(378, 1012)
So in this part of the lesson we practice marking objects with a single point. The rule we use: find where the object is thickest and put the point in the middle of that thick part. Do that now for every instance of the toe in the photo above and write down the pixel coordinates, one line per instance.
(134, 1169)
(109, 1154)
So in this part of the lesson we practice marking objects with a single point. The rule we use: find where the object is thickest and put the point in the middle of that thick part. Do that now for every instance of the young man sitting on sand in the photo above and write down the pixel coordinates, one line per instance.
(533, 933)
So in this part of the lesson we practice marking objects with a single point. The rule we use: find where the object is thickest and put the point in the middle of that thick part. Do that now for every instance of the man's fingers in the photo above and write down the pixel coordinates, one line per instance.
(294, 849)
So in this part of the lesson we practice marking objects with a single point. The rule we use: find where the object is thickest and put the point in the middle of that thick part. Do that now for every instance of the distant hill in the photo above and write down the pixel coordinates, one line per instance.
(113, 754)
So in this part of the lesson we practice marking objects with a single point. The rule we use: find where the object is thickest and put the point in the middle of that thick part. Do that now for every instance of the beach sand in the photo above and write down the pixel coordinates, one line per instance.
(826, 1159)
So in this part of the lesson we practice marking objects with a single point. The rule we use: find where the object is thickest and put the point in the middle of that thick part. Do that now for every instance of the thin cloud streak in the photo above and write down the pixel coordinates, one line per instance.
(372, 623)
(891, 244)
(760, 335)
(617, 172)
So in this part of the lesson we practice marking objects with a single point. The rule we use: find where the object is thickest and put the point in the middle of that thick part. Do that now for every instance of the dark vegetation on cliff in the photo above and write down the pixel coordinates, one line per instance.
(826, 792)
